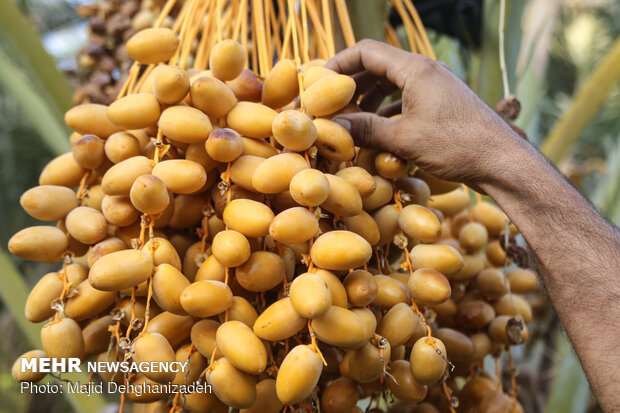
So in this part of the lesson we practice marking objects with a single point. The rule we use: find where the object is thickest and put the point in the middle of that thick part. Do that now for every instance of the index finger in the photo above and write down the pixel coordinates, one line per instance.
(375, 57)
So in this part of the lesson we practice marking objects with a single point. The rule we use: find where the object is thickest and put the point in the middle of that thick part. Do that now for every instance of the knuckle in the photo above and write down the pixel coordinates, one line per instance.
(367, 43)
(365, 131)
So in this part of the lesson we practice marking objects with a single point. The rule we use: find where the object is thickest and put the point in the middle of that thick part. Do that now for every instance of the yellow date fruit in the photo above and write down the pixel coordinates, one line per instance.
(135, 111)
(232, 386)
(91, 118)
(249, 217)
(38, 305)
(149, 194)
(176, 328)
(266, 398)
(241, 347)
(382, 194)
(247, 86)
(274, 174)
(459, 347)
(89, 152)
(202, 336)
(310, 295)
(450, 203)
(242, 170)
(224, 145)
(153, 347)
(261, 272)
(63, 171)
(298, 374)
(490, 216)
(343, 199)
(522, 281)
(428, 362)
(363, 224)
(152, 45)
(118, 210)
(333, 141)
(170, 84)
(429, 287)
(293, 225)
(403, 385)
(212, 96)
(340, 250)
(309, 187)
(281, 85)
(361, 287)
(340, 327)
(230, 248)
(442, 258)
(390, 291)
(185, 124)
(399, 324)
(328, 95)
(473, 236)
(121, 269)
(279, 321)
(28, 375)
(40, 243)
(227, 59)
(86, 301)
(294, 130)
(87, 225)
(419, 223)
(180, 175)
(241, 310)
(391, 166)
(206, 298)
(63, 339)
(251, 119)
(48, 202)
(168, 285)
(359, 178)
(119, 179)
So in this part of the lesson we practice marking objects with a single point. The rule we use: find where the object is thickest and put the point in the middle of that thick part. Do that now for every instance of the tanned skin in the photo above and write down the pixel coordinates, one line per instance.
(446, 130)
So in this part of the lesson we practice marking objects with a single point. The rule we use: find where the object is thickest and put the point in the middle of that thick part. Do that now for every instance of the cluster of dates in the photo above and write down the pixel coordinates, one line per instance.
(224, 219)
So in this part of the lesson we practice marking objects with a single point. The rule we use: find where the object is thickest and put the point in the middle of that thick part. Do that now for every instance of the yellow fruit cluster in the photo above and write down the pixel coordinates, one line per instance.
(224, 219)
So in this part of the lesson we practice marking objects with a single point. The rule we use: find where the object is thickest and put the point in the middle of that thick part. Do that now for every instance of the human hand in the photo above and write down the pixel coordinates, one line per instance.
(445, 129)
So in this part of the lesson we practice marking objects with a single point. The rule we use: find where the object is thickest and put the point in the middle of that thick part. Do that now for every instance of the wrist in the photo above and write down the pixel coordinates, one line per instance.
(508, 160)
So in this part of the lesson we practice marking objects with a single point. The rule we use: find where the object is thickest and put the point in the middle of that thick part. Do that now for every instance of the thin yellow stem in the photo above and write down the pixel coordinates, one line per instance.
(317, 26)
(181, 17)
(244, 30)
(254, 48)
(391, 36)
(218, 16)
(420, 26)
(287, 39)
(201, 58)
(275, 31)
(345, 22)
(241, 15)
(409, 27)
(267, 21)
(193, 31)
(259, 15)
(164, 13)
(327, 22)
(304, 27)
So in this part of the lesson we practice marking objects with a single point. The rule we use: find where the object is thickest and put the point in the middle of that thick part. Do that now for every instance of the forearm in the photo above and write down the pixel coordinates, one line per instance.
(578, 254)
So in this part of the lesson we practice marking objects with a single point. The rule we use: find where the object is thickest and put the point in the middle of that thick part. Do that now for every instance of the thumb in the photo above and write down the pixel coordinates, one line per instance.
(367, 129)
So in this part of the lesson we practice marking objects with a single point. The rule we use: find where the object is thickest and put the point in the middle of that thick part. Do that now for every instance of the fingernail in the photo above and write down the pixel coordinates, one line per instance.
(344, 123)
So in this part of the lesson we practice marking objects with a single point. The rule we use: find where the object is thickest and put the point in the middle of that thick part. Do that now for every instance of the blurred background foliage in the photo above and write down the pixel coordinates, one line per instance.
(553, 47)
